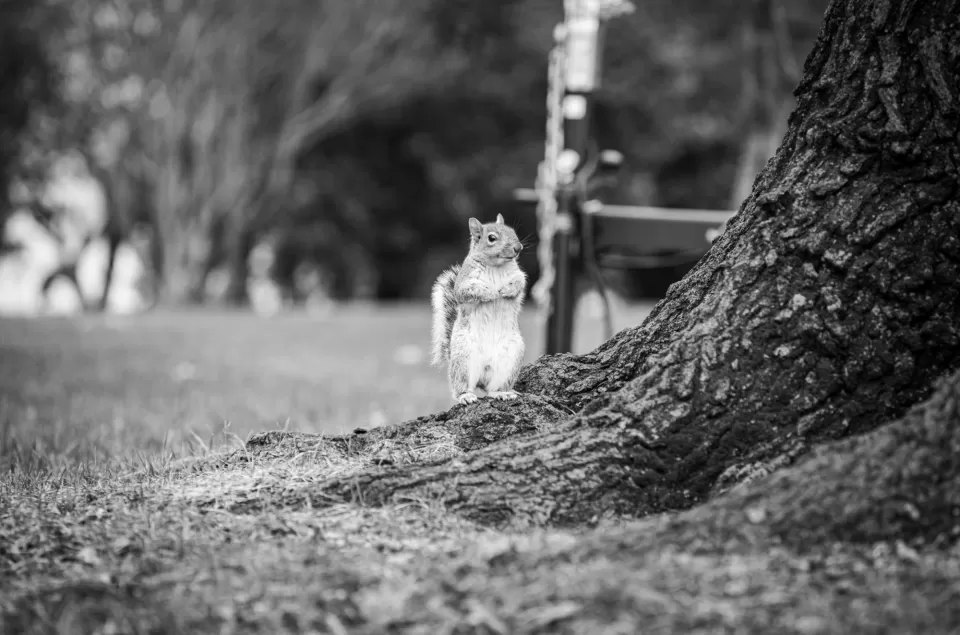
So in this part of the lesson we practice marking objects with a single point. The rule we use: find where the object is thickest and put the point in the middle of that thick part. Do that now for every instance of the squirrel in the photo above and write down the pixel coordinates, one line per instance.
(476, 306)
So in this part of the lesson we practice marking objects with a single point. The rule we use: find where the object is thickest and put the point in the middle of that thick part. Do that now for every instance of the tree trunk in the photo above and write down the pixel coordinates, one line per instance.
(183, 212)
(113, 245)
(239, 247)
(181, 263)
(116, 186)
(803, 552)
(68, 272)
(825, 310)
(181, 284)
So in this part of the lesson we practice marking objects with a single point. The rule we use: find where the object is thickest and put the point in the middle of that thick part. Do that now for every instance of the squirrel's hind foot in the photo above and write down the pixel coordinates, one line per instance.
(504, 394)
(466, 397)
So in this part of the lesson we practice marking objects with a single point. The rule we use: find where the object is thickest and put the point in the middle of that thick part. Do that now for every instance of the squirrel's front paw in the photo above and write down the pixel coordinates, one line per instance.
(467, 397)
(504, 394)
(511, 289)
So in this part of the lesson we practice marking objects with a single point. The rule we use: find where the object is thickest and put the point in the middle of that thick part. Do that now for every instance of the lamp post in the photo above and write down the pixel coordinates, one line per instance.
(580, 35)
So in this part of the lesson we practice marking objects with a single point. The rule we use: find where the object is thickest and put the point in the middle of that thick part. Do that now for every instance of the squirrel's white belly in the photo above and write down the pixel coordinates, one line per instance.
(493, 342)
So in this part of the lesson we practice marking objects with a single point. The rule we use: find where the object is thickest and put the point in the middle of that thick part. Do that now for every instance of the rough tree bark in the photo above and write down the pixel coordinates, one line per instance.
(802, 552)
(826, 309)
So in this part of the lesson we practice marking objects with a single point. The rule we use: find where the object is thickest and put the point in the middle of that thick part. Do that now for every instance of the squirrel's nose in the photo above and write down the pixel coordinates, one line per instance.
(518, 247)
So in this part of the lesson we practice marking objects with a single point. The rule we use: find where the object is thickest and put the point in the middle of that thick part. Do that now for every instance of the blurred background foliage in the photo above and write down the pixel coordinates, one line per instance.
(342, 144)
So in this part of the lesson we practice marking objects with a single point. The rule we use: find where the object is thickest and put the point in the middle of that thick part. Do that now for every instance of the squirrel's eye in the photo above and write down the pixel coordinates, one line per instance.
(491, 238)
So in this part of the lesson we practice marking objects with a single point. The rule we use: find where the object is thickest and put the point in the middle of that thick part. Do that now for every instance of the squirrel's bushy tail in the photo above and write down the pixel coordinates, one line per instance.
(444, 314)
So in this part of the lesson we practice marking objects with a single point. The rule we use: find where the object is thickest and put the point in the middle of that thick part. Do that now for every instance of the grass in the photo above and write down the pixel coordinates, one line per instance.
(96, 412)
(122, 504)
(102, 388)
(94, 388)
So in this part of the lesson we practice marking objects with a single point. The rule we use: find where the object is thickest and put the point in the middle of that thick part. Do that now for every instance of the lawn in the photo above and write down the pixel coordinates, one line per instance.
(103, 529)
(97, 387)
(128, 506)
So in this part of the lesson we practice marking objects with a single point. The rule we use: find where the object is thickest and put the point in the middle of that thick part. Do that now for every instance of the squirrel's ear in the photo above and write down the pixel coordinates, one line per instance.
(475, 228)
(499, 219)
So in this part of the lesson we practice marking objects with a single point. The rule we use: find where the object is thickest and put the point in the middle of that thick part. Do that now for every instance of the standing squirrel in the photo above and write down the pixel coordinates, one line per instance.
(475, 315)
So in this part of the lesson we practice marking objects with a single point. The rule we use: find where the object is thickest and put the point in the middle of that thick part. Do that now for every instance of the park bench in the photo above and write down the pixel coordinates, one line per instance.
(624, 237)
(578, 232)
(643, 237)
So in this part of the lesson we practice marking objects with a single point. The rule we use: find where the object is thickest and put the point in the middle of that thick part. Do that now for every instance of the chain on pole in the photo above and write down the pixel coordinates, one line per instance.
(549, 175)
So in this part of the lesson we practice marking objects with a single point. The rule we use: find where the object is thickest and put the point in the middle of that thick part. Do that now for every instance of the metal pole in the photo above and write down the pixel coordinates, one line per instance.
(560, 321)
(581, 39)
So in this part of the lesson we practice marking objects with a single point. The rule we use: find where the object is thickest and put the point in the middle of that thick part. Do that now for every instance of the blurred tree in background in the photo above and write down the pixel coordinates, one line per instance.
(29, 98)
(356, 138)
